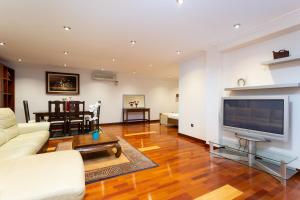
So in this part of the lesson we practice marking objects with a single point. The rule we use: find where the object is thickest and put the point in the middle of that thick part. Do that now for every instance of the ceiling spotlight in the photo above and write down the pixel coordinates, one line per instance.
(67, 28)
(65, 65)
(179, 52)
(132, 42)
(114, 60)
(179, 2)
(133, 73)
(237, 26)
(150, 65)
(19, 60)
(66, 52)
(2, 43)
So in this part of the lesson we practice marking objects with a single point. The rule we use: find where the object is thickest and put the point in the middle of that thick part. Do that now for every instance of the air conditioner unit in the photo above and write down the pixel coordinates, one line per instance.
(104, 76)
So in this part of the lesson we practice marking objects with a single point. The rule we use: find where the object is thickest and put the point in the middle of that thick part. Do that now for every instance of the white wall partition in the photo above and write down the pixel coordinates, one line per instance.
(192, 85)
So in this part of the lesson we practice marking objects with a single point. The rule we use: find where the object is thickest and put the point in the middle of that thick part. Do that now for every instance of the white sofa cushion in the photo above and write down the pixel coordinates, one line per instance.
(3, 138)
(31, 142)
(7, 118)
(16, 152)
(58, 175)
(8, 125)
(11, 132)
(33, 127)
(35, 139)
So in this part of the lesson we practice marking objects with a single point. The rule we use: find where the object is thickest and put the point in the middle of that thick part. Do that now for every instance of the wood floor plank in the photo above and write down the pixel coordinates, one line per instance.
(226, 192)
(149, 148)
(141, 133)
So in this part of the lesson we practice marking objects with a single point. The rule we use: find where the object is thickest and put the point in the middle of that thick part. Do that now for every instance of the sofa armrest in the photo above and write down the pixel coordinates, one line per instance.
(33, 127)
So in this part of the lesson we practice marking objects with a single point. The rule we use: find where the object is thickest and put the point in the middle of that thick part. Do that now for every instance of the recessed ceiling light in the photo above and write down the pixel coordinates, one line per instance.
(133, 73)
(114, 60)
(66, 52)
(19, 60)
(65, 65)
(237, 26)
(179, 2)
(132, 42)
(150, 65)
(67, 28)
(2, 43)
(179, 52)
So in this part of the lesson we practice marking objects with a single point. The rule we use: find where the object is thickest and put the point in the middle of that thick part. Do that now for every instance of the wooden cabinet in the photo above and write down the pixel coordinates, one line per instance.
(7, 87)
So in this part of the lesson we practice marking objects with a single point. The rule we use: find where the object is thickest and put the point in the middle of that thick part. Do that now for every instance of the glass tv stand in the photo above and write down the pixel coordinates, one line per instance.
(272, 163)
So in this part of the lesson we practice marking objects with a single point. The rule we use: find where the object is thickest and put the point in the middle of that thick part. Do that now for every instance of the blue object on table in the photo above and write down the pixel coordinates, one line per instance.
(95, 135)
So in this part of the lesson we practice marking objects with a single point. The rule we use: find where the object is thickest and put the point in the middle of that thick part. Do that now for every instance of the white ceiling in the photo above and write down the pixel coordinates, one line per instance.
(102, 29)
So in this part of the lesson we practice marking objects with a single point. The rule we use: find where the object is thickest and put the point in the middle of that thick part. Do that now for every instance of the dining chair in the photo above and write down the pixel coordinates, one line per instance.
(98, 116)
(57, 117)
(76, 116)
(26, 111)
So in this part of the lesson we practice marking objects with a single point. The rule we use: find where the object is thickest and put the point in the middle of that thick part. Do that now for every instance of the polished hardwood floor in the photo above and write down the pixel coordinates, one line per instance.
(185, 171)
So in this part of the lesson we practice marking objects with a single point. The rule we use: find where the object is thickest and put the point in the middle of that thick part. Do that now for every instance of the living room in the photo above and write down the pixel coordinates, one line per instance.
(181, 99)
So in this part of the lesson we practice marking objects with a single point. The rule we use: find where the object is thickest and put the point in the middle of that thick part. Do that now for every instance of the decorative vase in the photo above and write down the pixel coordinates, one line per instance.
(95, 135)
(136, 103)
(68, 106)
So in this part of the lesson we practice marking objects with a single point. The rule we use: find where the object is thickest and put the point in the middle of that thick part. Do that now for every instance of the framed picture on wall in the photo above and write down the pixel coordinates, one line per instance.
(62, 83)
(133, 101)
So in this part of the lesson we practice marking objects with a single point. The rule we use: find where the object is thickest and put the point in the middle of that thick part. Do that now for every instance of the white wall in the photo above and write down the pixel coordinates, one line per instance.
(30, 85)
(192, 100)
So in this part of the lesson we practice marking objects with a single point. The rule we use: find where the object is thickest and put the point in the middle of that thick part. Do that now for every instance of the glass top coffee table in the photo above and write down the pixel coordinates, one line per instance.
(85, 144)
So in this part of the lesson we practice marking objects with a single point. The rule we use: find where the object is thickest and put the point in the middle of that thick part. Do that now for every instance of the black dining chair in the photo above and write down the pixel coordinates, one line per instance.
(76, 116)
(98, 116)
(57, 117)
(27, 113)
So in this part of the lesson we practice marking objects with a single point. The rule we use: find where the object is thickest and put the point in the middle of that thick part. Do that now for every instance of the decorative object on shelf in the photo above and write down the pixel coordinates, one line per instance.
(95, 135)
(130, 100)
(62, 83)
(281, 54)
(241, 82)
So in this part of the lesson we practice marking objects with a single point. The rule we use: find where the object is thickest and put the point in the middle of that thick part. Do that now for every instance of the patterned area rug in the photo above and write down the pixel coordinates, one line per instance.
(100, 167)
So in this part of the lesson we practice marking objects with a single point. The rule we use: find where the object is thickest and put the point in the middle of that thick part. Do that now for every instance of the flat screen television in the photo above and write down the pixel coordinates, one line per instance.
(264, 117)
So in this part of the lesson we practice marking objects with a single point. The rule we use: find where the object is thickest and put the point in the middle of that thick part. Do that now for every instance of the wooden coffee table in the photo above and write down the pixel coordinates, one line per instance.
(85, 143)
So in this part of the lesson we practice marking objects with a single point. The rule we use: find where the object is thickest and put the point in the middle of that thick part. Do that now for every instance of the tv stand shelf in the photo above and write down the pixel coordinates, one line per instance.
(264, 87)
(272, 163)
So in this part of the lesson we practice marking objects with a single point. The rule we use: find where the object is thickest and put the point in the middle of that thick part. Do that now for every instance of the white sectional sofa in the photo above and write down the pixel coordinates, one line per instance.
(25, 175)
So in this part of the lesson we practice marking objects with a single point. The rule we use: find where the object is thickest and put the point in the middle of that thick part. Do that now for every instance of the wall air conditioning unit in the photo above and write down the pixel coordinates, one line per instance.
(104, 76)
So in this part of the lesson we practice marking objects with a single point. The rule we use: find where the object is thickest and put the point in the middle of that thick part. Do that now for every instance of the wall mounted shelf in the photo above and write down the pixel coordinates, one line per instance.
(281, 60)
(264, 87)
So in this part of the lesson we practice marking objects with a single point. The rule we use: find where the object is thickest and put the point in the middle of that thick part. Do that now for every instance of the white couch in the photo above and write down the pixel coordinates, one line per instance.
(19, 140)
(26, 176)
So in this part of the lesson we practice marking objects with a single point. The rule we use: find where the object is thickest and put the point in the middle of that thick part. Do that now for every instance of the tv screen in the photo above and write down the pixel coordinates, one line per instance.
(264, 115)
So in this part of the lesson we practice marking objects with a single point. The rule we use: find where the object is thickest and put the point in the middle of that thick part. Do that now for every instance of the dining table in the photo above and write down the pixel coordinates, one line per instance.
(40, 116)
